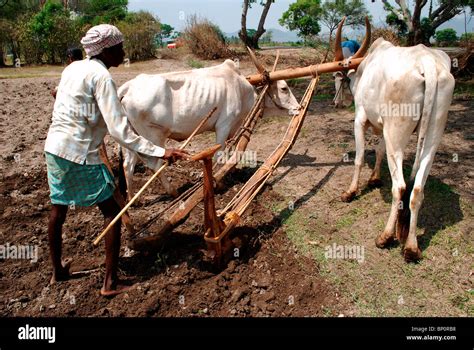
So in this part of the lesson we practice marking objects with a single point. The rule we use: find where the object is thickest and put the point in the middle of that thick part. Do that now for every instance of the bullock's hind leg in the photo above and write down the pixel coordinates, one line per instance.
(411, 252)
(360, 126)
(433, 137)
(158, 137)
(129, 161)
(374, 180)
(396, 140)
(398, 188)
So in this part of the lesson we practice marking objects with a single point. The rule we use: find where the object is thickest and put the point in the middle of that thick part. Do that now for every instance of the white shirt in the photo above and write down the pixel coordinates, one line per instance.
(86, 108)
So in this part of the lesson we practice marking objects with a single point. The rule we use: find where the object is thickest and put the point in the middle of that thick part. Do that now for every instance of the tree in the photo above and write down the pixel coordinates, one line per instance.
(267, 37)
(420, 30)
(10, 11)
(303, 16)
(446, 37)
(140, 30)
(50, 32)
(467, 37)
(165, 32)
(333, 11)
(104, 11)
(252, 40)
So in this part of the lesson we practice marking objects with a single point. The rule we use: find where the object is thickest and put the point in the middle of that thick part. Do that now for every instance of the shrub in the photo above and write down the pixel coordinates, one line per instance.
(467, 40)
(205, 39)
(446, 37)
(194, 63)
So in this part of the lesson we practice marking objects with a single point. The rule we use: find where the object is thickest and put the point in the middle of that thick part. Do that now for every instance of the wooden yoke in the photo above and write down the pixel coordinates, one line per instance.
(339, 64)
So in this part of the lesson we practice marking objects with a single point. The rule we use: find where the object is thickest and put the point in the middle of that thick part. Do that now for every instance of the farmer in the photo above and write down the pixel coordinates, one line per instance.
(349, 48)
(86, 108)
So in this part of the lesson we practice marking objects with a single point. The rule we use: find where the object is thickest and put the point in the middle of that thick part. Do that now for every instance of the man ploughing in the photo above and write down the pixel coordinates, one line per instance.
(86, 109)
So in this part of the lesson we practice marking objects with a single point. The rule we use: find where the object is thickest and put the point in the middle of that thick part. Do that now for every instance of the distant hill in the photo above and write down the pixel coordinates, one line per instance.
(279, 36)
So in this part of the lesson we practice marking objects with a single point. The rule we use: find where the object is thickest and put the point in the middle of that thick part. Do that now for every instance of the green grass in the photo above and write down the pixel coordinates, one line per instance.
(428, 288)
(461, 301)
(465, 88)
(296, 81)
(303, 132)
(322, 97)
(194, 63)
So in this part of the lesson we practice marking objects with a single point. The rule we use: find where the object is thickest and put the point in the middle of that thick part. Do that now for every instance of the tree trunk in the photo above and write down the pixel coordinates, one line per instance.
(243, 24)
(261, 30)
(252, 42)
(15, 50)
(2, 58)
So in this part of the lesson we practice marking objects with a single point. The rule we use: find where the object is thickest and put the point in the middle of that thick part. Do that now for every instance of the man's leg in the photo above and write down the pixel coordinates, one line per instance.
(112, 249)
(55, 228)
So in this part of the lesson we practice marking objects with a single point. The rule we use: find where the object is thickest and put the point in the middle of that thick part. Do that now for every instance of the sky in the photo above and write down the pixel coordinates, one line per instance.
(227, 13)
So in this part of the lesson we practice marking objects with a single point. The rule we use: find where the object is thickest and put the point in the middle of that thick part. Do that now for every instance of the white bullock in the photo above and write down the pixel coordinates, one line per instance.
(397, 91)
(171, 105)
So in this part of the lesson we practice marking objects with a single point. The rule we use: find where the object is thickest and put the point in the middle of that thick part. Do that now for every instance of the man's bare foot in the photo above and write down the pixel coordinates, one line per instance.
(118, 289)
(63, 273)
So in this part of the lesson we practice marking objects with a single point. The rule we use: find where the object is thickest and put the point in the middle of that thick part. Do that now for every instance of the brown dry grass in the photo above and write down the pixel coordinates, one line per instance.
(386, 33)
(204, 39)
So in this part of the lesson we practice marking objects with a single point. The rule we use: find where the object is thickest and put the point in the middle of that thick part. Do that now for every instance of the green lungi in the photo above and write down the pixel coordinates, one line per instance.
(78, 184)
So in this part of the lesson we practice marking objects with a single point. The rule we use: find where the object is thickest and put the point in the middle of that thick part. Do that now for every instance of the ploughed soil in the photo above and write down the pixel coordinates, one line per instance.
(264, 277)
(277, 268)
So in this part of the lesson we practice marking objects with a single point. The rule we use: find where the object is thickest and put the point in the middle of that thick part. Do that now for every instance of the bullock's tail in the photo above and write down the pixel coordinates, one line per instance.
(431, 84)
(122, 183)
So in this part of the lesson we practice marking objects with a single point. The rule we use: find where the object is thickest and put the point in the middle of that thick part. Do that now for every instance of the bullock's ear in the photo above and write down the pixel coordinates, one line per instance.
(338, 74)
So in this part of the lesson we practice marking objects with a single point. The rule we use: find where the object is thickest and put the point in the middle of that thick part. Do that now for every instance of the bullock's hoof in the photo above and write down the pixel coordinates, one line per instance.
(347, 196)
(375, 183)
(382, 242)
(412, 256)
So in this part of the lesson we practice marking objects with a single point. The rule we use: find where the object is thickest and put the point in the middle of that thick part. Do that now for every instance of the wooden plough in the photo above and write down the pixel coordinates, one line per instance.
(219, 224)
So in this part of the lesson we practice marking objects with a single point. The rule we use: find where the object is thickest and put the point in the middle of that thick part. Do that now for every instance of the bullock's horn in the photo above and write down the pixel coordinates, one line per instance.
(259, 66)
(337, 45)
(365, 45)
(276, 61)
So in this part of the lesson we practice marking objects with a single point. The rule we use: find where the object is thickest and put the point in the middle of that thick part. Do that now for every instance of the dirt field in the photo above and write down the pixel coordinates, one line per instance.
(282, 270)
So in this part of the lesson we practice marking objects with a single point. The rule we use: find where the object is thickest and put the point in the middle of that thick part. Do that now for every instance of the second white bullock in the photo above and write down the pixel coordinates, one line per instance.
(397, 91)
(171, 105)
